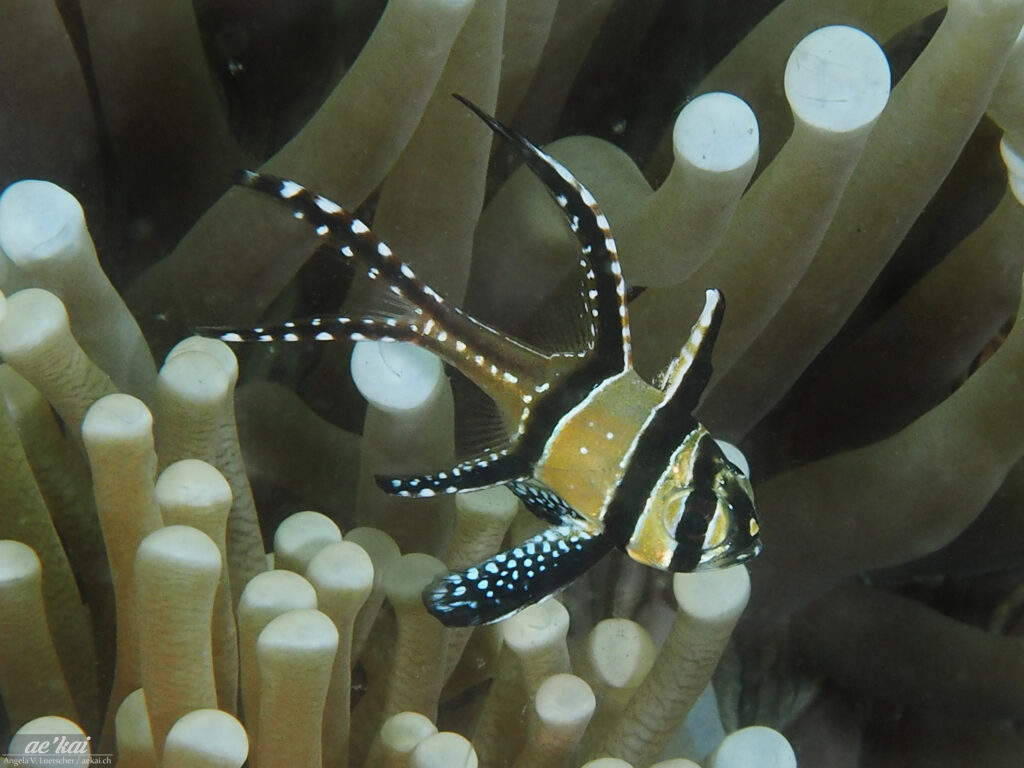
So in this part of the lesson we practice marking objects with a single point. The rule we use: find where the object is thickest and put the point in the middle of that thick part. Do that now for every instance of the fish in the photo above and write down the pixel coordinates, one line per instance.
(606, 460)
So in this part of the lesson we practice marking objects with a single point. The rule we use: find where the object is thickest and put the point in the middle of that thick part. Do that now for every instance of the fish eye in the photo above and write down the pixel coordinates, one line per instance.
(697, 510)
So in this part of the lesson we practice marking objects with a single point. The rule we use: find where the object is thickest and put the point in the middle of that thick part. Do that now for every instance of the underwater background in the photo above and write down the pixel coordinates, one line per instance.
(869, 245)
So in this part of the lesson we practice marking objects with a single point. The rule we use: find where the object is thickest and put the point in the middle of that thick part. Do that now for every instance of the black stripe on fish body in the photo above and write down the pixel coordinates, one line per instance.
(658, 441)
(681, 505)
(595, 442)
(511, 580)
(626, 515)
(699, 506)
(657, 445)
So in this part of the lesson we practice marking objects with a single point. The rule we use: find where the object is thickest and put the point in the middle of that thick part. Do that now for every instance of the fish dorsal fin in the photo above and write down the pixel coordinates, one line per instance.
(684, 381)
(605, 292)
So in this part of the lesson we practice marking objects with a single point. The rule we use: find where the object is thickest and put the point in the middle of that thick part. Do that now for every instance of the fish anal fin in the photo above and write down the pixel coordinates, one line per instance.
(482, 471)
(323, 328)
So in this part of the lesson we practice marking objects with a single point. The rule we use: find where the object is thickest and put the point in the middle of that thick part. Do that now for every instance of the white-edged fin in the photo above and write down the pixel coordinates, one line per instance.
(484, 470)
(565, 326)
(323, 328)
(497, 363)
(600, 262)
(544, 502)
(511, 580)
(689, 373)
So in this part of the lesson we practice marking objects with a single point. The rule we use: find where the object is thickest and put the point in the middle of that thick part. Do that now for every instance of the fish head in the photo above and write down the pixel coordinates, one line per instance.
(700, 514)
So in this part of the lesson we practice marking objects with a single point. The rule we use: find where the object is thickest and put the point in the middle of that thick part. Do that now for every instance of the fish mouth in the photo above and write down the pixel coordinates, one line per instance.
(729, 556)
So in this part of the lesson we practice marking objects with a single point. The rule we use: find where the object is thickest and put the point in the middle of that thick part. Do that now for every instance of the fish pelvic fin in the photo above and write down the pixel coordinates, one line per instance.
(511, 580)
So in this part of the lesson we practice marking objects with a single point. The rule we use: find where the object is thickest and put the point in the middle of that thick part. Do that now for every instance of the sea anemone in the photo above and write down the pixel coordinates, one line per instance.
(868, 244)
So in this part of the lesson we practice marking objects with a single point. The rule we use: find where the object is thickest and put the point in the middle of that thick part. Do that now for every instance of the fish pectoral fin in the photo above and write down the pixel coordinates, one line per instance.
(323, 328)
(511, 580)
(482, 471)
(544, 502)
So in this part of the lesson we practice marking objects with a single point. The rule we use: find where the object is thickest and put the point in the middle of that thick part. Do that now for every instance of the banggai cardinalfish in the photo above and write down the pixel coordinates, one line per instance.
(605, 459)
